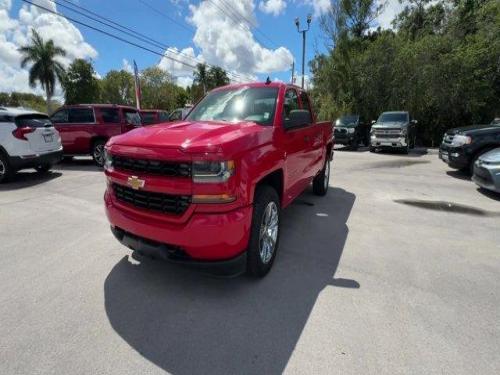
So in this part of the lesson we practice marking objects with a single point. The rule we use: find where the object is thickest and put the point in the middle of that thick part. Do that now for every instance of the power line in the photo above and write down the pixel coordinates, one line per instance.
(165, 15)
(145, 38)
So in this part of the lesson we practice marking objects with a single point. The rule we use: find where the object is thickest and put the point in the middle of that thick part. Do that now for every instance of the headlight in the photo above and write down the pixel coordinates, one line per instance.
(351, 130)
(460, 140)
(212, 171)
(108, 161)
(404, 131)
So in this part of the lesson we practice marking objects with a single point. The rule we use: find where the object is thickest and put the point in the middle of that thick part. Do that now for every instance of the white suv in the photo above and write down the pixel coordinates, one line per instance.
(27, 140)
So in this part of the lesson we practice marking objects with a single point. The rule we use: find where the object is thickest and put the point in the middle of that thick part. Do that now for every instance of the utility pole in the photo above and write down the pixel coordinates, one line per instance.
(293, 72)
(304, 31)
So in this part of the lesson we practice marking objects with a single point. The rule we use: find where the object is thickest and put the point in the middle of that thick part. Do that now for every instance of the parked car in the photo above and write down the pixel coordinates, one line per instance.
(351, 130)
(393, 130)
(461, 147)
(487, 170)
(85, 128)
(153, 116)
(179, 114)
(27, 140)
(208, 191)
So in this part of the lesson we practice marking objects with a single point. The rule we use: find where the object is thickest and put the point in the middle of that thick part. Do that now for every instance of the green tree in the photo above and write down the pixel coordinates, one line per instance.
(117, 87)
(80, 84)
(217, 77)
(45, 69)
(201, 77)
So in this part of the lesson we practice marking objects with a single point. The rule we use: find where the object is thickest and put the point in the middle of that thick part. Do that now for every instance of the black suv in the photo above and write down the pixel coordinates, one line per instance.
(462, 146)
(351, 130)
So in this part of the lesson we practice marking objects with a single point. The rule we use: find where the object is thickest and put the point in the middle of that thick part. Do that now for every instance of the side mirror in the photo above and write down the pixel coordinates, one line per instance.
(296, 118)
(373, 122)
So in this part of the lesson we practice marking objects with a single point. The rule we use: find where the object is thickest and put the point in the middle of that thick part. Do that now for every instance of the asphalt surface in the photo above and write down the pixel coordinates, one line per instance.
(366, 282)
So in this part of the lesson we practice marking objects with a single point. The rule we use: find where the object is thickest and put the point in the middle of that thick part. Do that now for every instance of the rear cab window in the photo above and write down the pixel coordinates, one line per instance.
(306, 105)
(132, 117)
(291, 103)
(148, 118)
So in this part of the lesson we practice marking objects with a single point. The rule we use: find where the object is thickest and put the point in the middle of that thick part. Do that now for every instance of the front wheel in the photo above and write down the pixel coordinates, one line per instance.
(98, 152)
(321, 181)
(264, 236)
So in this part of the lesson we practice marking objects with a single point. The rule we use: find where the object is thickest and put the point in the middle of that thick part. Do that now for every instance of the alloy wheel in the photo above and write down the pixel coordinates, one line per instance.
(99, 154)
(268, 235)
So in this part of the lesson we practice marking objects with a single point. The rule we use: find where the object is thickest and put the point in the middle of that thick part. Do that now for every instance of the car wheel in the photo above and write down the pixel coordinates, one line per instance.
(264, 236)
(355, 144)
(98, 152)
(372, 149)
(5, 169)
(44, 168)
(321, 181)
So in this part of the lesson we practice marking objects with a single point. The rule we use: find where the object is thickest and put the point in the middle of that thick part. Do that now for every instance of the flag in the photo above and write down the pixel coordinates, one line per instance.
(137, 87)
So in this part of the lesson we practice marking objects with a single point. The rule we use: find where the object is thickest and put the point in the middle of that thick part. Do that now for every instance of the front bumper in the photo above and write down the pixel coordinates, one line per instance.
(49, 158)
(344, 139)
(455, 157)
(397, 142)
(202, 237)
(487, 176)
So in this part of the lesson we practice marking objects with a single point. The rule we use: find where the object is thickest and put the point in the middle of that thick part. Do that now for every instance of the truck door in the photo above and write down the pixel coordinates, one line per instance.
(296, 146)
(81, 128)
(314, 144)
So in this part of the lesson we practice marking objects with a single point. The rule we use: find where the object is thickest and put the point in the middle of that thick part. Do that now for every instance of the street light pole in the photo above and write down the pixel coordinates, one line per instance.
(304, 31)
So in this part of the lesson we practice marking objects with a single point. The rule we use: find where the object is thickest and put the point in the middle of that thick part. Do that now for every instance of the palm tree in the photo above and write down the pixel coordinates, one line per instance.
(45, 68)
(201, 76)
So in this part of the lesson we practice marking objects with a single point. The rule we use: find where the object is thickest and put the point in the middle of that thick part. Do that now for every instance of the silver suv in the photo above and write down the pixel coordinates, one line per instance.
(394, 130)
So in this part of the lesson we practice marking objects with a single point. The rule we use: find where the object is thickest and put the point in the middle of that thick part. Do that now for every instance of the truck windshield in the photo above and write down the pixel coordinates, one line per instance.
(393, 117)
(255, 104)
(347, 121)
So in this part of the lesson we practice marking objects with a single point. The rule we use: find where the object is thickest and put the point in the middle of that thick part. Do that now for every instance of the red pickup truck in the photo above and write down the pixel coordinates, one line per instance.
(85, 128)
(208, 191)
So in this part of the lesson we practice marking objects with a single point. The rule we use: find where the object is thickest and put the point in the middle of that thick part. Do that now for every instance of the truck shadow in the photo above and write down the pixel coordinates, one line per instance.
(27, 178)
(188, 323)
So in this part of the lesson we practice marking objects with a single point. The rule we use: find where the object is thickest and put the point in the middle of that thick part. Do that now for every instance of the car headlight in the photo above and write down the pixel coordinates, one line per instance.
(351, 130)
(460, 140)
(404, 131)
(108, 161)
(212, 171)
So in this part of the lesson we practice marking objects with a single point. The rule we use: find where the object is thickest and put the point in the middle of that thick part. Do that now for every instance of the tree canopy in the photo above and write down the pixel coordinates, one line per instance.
(80, 83)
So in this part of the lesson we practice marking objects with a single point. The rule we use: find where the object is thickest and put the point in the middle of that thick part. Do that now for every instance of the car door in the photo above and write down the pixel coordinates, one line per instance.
(82, 129)
(296, 146)
(109, 122)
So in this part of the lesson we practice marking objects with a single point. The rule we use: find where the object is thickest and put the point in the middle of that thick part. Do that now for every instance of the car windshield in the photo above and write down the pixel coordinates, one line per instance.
(393, 117)
(255, 104)
(347, 121)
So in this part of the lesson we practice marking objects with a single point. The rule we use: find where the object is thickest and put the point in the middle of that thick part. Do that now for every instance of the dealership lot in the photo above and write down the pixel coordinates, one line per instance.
(362, 283)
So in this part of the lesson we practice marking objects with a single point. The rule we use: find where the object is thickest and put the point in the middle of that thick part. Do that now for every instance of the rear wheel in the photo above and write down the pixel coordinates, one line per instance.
(5, 169)
(98, 152)
(264, 236)
(321, 181)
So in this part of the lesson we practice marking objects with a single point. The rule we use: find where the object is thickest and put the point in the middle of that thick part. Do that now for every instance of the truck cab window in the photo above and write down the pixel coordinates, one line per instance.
(291, 103)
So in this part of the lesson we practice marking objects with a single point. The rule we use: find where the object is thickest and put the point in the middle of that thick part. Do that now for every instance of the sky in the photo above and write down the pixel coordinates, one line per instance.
(250, 39)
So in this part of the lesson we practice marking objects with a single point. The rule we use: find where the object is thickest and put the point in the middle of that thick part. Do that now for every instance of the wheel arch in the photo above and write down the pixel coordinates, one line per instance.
(275, 179)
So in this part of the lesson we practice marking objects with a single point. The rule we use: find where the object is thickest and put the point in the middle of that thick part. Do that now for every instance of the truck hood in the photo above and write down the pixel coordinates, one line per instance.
(194, 137)
(473, 129)
(392, 125)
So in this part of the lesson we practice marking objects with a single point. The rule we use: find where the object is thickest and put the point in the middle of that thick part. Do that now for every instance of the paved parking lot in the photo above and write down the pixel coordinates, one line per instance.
(362, 283)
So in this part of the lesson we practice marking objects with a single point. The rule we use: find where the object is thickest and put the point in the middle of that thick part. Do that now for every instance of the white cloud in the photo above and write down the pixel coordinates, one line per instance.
(391, 9)
(180, 62)
(274, 7)
(184, 81)
(225, 43)
(320, 6)
(127, 66)
(15, 32)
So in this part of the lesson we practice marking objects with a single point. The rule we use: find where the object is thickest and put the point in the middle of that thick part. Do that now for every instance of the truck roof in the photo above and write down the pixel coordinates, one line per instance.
(395, 112)
(100, 105)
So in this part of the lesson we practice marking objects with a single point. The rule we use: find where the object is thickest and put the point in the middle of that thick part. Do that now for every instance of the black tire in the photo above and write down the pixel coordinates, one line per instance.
(258, 261)
(98, 152)
(321, 181)
(372, 149)
(355, 144)
(6, 171)
(67, 159)
(44, 168)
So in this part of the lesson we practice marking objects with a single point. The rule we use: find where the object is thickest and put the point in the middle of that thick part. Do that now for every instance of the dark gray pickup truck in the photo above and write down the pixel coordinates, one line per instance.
(393, 130)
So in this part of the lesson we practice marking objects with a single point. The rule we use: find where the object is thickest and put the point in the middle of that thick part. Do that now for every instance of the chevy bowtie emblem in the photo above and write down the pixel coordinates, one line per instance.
(135, 182)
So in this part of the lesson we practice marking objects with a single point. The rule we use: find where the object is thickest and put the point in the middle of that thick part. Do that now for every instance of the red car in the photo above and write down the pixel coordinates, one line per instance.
(154, 116)
(209, 190)
(85, 128)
